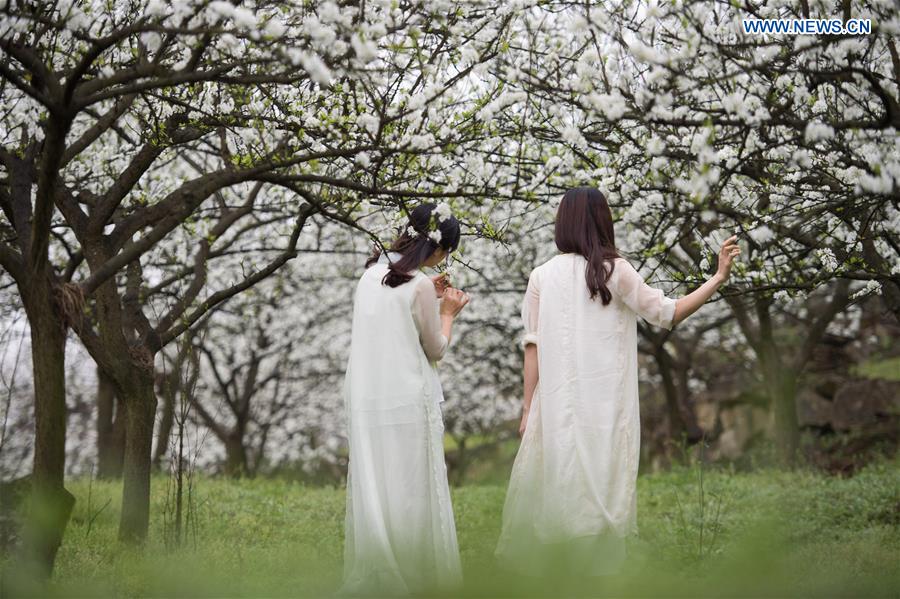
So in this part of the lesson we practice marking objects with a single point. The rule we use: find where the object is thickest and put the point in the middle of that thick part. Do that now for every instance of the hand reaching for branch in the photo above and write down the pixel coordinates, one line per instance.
(727, 254)
(687, 305)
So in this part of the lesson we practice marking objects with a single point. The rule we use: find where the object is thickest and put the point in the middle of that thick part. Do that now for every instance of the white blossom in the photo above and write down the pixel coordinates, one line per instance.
(243, 17)
(421, 142)
(369, 122)
(782, 296)
(156, 8)
(274, 28)
(762, 235)
(317, 69)
(872, 287)
(826, 257)
(655, 146)
(365, 50)
(816, 131)
(571, 134)
(222, 8)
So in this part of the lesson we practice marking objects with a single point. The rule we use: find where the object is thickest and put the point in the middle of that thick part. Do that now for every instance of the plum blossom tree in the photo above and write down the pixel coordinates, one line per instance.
(268, 352)
(127, 123)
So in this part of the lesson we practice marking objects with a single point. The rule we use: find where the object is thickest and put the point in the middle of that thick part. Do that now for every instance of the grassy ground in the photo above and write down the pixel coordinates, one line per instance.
(762, 534)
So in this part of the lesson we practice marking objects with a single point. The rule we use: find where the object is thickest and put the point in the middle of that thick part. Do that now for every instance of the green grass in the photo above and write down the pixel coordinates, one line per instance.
(766, 533)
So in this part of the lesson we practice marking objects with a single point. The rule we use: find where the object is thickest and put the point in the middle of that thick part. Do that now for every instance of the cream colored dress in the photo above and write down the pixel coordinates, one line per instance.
(572, 486)
(400, 537)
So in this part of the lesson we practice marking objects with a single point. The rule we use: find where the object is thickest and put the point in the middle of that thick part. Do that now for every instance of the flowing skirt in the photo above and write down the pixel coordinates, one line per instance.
(570, 502)
(400, 537)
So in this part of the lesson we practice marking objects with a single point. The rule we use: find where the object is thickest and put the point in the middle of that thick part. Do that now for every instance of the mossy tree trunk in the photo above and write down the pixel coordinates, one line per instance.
(50, 505)
(51, 304)
(140, 411)
(110, 429)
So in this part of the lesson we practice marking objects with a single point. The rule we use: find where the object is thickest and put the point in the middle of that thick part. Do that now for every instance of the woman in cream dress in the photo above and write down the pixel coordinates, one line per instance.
(400, 537)
(572, 490)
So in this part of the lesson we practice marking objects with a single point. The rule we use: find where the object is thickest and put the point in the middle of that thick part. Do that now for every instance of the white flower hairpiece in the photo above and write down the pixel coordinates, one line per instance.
(433, 231)
(443, 211)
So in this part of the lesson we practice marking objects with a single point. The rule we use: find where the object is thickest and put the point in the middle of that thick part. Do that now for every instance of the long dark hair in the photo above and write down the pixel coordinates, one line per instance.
(584, 226)
(416, 246)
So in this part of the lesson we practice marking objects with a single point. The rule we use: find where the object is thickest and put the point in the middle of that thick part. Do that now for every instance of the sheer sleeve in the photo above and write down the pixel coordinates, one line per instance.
(426, 314)
(530, 309)
(650, 304)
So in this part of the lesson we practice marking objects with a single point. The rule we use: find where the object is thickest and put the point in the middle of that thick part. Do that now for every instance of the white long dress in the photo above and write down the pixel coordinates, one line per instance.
(573, 481)
(400, 537)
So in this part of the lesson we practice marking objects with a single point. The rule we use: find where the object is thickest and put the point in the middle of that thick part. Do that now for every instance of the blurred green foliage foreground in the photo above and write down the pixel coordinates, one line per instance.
(703, 533)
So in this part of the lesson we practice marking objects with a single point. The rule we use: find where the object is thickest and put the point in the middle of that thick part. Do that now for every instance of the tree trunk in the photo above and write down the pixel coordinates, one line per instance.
(110, 429)
(780, 382)
(140, 411)
(685, 404)
(48, 339)
(50, 506)
(683, 425)
(165, 428)
(787, 431)
(235, 457)
(677, 430)
(779, 371)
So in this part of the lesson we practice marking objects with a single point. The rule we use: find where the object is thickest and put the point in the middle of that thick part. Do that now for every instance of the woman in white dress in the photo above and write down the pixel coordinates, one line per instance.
(400, 537)
(571, 493)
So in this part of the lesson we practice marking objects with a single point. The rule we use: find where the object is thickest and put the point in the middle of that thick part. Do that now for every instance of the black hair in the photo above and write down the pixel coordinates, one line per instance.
(416, 246)
(584, 226)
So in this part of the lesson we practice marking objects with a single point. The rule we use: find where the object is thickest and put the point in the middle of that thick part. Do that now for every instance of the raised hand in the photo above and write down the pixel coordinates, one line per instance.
(727, 254)
(441, 283)
(453, 301)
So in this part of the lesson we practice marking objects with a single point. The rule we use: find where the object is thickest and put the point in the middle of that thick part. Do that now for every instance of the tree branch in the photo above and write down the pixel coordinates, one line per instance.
(289, 252)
